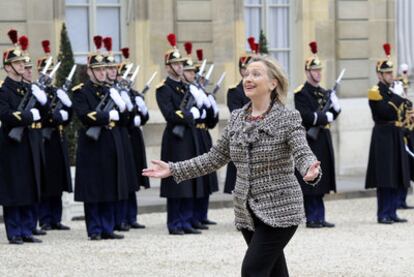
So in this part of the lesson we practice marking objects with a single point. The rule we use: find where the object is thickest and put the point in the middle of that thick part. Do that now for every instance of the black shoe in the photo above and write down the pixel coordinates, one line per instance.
(399, 220)
(176, 232)
(46, 227)
(60, 226)
(385, 221)
(406, 207)
(38, 232)
(327, 224)
(136, 225)
(31, 239)
(191, 231)
(313, 224)
(95, 237)
(111, 236)
(122, 228)
(199, 226)
(15, 240)
(208, 222)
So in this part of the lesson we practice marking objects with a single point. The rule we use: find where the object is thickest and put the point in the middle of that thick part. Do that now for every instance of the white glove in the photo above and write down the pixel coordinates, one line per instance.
(203, 114)
(125, 97)
(398, 88)
(335, 102)
(117, 99)
(64, 114)
(137, 121)
(197, 95)
(213, 104)
(329, 117)
(39, 94)
(114, 115)
(64, 98)
(36, 114)
(206, 102)
(141, 105)
(195, 112)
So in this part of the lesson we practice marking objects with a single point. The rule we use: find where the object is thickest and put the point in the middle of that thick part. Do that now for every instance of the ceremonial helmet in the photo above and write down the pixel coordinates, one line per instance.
(24, 44)
(173, 55)
(313, 61)
(188, 63)
(385, 65)
(41, 62)
(122, 67)
(254, 49)
(109, 56)
(15, 53)
(96, 59)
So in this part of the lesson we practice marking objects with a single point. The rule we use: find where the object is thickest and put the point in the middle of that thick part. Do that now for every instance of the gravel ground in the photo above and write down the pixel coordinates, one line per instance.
(356, 247)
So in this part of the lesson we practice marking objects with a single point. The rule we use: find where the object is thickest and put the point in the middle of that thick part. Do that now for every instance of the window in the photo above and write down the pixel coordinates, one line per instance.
(274, 18)
(86, 18)
(405, 37)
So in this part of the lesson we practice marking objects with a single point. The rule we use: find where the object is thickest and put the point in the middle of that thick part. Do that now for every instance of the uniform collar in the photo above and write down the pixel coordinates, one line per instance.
(15, 86)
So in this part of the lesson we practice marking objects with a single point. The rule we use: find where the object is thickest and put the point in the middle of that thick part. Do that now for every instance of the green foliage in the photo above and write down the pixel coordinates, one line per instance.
(263, 43)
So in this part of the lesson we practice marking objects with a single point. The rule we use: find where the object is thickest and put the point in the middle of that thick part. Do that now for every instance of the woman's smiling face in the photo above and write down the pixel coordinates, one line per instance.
(256, 81)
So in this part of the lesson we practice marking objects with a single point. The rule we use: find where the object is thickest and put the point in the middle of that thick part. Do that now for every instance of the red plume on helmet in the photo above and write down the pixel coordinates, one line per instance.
(313, 47)
(97, 40)
(24, 42)
(125, 52)
(46, 46)
(108, 43)
(252, 44)
(172, 39)
(199, 54)
(188, 46)
(12, 35)
(387, 49)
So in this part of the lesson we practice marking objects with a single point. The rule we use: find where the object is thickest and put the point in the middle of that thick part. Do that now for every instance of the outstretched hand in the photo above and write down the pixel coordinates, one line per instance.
(313, 172)
(159, 169)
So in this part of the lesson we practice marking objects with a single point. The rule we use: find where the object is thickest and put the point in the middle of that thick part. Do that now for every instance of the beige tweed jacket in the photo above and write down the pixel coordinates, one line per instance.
(265, 155)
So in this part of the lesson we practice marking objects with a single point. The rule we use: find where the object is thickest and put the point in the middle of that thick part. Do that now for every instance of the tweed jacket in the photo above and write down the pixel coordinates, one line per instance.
(265, 154)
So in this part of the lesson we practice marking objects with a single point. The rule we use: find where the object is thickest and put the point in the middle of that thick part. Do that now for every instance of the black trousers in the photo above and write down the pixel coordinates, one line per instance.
(264, 256)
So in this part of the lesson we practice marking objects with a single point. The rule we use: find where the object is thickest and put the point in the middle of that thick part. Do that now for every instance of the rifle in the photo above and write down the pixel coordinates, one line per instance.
(106, 105)
(218, 84)
(313, 132)
(29, 100)
(47, 132)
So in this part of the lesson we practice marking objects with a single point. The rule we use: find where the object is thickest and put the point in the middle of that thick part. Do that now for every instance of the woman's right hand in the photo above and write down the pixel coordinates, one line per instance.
(159, 169)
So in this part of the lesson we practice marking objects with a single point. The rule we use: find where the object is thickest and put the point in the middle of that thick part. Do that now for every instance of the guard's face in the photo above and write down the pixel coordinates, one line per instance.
(315, 75)
(387, 77)
(111, 73)
(256, 81)
(189, 75)
(99, 74)
(242, 71)
(28, 72)
(18, 67)
(177, 69)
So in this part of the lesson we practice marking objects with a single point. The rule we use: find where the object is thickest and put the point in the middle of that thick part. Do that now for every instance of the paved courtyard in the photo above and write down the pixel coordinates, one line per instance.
(356, 247)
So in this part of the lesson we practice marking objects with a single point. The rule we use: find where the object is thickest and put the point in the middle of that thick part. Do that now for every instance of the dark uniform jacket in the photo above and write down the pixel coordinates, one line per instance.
(236, 99)
(58, 177)
(309, 101)
(103, 171)
(138, 145)
(388, 165)
(169, 96)
(21, 163)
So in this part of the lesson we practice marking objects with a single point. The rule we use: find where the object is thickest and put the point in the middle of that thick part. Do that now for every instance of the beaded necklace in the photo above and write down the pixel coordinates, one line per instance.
(255, 118)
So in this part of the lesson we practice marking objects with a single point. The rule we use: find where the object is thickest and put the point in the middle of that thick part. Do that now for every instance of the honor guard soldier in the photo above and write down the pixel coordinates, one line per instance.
(123, 124)
(101, 179)
(21, 164)
(388, 165)
(310, 100)
(58, 178)
(207, 120)
(139, 116)
(236, 99)
(179, 142)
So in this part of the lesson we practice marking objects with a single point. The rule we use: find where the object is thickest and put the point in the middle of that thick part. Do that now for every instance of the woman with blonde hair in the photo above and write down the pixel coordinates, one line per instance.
(266, 141)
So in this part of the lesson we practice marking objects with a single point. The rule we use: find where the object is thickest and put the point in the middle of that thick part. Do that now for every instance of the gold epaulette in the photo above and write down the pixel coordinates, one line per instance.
(160, 84)
(374, 94)
(77, 87)
(298, 89)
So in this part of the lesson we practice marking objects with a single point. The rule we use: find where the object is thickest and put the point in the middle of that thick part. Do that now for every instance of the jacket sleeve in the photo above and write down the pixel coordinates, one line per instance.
(218, 156)
(170, 113)
(87, 116)
(296, 139)
(310, 118)
(12, 117)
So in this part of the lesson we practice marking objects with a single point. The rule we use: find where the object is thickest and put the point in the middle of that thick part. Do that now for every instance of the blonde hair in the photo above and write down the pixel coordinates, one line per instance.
(275, 71)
